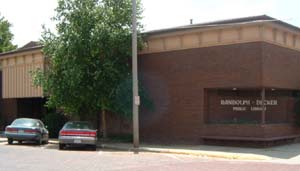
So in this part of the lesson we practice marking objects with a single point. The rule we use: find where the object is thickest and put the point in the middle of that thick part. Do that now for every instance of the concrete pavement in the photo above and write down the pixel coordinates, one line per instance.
(29, 156)
(186, 150)
(285, 153)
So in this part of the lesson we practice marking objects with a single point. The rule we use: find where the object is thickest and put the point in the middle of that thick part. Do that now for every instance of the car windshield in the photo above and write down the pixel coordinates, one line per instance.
(78, 125)
(26, 122)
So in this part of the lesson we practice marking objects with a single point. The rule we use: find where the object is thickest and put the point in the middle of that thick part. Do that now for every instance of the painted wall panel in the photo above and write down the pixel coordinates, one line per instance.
(17, 79)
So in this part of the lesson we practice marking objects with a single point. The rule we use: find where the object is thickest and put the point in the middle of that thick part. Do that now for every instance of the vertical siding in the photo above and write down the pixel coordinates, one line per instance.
(17, 80)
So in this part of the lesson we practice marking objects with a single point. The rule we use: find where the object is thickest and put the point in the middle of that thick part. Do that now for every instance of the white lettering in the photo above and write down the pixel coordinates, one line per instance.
(267, 102)
(258, 108)
(239, 108)
(235, 102)
(241, 104)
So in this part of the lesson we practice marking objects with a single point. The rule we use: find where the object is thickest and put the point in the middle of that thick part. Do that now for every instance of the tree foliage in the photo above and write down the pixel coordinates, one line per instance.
(89, 57)
(5, 36)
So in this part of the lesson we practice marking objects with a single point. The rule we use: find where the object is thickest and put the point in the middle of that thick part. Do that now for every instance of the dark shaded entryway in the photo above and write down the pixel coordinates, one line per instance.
(21, 107)
(31, 107)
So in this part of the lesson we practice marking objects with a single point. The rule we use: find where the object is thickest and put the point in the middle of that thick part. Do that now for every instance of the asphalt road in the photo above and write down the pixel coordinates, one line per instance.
(27, 157)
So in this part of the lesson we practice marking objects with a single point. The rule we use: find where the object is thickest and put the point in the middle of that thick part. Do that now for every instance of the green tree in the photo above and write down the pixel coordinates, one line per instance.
(5, 36)
(89, 57)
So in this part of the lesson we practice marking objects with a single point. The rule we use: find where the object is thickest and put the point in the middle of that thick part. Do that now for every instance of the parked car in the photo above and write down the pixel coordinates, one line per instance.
(27, 129)
(77, 133)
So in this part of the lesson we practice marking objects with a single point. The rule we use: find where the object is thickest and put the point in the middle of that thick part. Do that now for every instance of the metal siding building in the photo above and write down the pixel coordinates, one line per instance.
(20, 98)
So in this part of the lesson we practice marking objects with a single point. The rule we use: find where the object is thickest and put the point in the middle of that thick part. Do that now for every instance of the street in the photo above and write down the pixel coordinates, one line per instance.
(47, 157)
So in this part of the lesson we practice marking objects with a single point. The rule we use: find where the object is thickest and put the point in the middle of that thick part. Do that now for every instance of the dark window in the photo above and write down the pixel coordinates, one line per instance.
(78, 125)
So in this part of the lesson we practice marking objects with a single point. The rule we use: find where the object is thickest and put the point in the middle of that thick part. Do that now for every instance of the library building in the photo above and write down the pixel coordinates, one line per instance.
(233, 82)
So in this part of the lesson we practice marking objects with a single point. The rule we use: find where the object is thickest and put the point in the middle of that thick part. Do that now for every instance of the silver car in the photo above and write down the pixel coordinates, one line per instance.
(27, 129)
(77, 133)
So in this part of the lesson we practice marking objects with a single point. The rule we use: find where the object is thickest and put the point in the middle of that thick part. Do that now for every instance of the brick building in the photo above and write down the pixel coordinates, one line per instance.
(233, 80)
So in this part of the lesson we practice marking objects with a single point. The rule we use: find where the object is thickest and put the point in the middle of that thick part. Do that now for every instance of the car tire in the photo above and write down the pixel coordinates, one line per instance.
(61, 146)
(10, 141)
(39, 141)
(20, 142)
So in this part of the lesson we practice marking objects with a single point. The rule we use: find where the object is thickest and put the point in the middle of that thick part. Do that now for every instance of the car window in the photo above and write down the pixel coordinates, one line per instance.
(41, 124)
(26, 122)
(78, 125)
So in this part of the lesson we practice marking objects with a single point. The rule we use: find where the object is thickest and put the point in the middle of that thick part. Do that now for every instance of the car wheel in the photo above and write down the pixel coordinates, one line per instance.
(61, 146)
(46, 141)
(20, 142)
(39, 141)
(10, 140)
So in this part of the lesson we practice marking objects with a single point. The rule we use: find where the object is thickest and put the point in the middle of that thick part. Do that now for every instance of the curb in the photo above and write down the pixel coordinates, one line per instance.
(222, 155)
(3, 139)
(52, 142)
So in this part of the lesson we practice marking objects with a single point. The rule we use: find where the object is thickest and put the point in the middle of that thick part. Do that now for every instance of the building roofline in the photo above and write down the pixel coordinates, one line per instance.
(227, 22)
(20, 50)
(219, 23)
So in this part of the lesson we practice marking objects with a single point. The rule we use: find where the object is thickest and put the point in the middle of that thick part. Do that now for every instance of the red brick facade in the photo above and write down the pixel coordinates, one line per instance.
(177, 82)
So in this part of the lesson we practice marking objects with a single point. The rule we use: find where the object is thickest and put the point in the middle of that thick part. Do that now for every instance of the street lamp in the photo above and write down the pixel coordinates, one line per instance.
(136, 98)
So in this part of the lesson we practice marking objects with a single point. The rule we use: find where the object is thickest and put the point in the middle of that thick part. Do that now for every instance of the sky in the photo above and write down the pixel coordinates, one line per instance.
(28, 16)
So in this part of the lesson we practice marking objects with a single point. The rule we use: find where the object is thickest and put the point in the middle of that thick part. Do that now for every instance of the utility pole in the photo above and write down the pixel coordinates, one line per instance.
(136, 98)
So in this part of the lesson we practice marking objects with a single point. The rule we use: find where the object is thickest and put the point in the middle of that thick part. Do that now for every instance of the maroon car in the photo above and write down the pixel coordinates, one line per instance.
(77, 133)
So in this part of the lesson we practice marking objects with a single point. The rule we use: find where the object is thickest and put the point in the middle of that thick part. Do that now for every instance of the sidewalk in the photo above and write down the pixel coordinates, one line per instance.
(286, 153)
(2, 139)
(290, 153)
(202, 150)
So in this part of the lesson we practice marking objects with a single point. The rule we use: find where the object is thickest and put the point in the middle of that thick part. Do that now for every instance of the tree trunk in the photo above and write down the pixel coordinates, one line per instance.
(104, 124)
(120, 126)
(98, 122)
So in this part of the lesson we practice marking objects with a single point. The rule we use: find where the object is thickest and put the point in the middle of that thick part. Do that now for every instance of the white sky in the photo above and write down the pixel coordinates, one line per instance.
(27, 16)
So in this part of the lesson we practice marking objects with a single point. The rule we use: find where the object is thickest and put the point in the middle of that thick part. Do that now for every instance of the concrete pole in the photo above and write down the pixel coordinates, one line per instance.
(136, 99)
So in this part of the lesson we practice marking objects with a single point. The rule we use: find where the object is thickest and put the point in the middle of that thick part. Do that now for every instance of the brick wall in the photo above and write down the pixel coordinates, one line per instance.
(280, 67)
(176, 82)
(9, 110)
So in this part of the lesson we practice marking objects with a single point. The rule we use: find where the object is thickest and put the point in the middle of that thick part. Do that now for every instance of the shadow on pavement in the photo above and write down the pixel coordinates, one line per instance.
(69, 148)
(26, 143)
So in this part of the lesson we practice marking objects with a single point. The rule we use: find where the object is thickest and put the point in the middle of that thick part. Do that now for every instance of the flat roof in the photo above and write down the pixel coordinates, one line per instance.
(235, 21)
